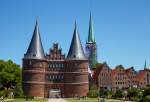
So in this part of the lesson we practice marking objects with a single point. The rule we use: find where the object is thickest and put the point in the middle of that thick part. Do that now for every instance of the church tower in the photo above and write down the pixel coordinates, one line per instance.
(76, 67)
(91, 47)
(34, 64)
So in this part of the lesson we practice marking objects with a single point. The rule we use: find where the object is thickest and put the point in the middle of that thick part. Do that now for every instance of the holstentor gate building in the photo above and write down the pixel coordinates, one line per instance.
(54, 74)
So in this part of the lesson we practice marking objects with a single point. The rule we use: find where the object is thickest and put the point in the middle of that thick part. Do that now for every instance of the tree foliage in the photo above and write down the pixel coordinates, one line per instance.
(118, 94)
(146, 95)
(93, 92)
(10, 76)
(132, 93)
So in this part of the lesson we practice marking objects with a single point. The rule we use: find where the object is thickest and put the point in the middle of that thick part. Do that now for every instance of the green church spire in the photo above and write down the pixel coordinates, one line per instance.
(91, 47)
(91, 38)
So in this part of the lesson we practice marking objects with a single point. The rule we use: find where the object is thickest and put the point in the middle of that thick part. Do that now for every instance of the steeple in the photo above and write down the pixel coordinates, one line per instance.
(35, 50)
(91, 47)
(145, 66)
(76, 51)
(91, 38)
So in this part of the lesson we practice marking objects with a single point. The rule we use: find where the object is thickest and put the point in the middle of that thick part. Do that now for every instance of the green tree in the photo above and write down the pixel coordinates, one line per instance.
(10, 77)
(146, 95)
(97, 65)
(93, 92)
(118, 94)
(132, 93)
(146, 91)
(147, 98)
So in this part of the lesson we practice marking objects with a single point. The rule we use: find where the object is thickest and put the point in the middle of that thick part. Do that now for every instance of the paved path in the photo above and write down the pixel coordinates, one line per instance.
(57, 100)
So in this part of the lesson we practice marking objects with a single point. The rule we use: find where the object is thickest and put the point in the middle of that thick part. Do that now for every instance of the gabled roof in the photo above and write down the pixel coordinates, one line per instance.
(114, 71)
(98, 70)
(76, 51)
(129, 69)
(35, 50)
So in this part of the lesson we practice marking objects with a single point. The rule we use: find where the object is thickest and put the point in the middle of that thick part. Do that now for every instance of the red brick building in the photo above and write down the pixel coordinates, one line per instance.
(132, 77)
(53, 74)
(119, 78)
(143, 78)
(105, 77)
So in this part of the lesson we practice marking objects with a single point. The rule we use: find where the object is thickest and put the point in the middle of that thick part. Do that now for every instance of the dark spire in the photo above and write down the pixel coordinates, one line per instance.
(76, 51)
(35, 50)
(91, 38)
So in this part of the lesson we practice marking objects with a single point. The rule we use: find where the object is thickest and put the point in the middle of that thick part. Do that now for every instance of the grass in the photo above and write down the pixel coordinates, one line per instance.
(24, 100)
(91, 100)
(68, 100)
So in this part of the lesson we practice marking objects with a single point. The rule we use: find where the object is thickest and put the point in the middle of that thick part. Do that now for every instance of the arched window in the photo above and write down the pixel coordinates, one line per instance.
(53, 65)
(50, 65)
(59, 65)
(55, 76)
(49, 77)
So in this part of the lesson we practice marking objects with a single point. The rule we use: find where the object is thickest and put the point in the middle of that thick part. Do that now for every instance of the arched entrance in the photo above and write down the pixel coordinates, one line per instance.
(55, 93)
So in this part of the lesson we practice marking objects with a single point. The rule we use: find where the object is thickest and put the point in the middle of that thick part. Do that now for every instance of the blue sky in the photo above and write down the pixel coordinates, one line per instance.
(122, 27)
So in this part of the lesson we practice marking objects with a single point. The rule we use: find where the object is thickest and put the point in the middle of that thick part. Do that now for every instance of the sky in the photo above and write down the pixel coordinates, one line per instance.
(121, 28)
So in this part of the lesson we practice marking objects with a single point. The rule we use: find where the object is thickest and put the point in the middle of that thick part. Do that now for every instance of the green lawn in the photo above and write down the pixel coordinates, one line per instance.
(91, 100)
(68, 100)
(23, 100)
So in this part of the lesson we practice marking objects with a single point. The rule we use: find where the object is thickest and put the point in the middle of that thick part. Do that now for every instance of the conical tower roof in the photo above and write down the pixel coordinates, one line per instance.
(76, 51)
(91, 38)
(35, 50)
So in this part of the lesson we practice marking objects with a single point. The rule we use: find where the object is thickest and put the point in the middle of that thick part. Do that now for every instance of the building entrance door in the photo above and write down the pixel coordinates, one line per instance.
(55, 93)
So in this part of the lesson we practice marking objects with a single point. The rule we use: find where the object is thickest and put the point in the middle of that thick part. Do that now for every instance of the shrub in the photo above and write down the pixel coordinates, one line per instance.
(147, 98)
(2, 93)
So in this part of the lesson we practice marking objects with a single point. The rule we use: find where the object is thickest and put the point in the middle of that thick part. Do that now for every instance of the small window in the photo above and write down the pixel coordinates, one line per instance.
(56, 77)
(53, 65)
(47, 77)
(53, 77)
(30, 62)
(59, 76)
(50, 77)
(40, 64)
(49, 66)
(75, 64)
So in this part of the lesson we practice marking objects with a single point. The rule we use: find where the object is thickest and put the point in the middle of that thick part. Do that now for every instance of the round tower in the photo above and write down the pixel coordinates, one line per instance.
(76, 69)
(34, 65)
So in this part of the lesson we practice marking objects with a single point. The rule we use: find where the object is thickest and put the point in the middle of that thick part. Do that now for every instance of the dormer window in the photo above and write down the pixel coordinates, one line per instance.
(34, 55)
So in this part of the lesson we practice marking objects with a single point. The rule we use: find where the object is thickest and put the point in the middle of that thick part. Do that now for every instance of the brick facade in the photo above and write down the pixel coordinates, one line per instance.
(104, 77)
(143, 78)
(132, 77)
(120, 78)
(55, 73)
